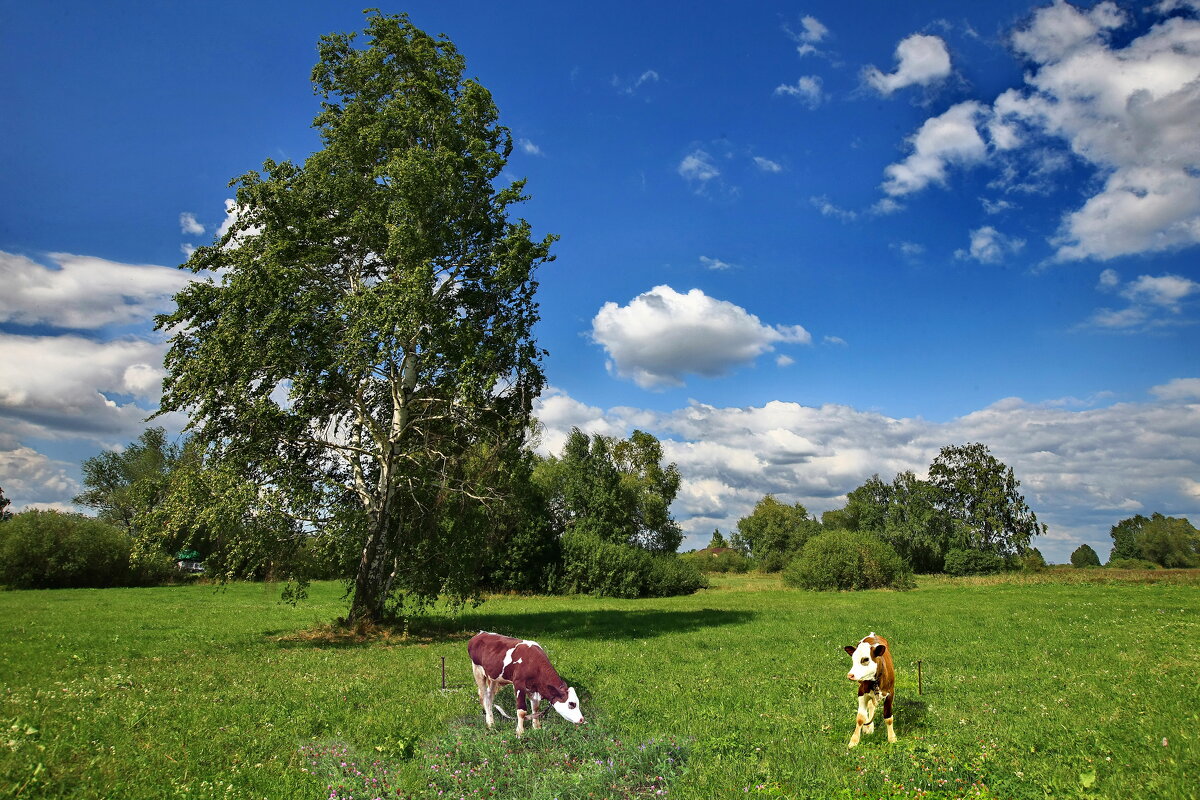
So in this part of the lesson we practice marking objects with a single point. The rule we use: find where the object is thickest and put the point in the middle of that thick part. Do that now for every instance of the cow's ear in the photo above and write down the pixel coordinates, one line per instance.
(879, 650)
(849, 649)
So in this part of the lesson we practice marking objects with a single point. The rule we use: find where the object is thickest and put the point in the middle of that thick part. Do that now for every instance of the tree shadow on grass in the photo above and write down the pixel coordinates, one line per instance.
(606, 624)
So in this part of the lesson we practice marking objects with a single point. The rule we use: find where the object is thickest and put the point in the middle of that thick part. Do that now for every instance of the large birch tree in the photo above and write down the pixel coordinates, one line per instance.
(365, 353)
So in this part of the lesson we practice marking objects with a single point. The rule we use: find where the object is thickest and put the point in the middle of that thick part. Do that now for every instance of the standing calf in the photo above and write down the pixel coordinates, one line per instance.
(872, 667)
(500, 660)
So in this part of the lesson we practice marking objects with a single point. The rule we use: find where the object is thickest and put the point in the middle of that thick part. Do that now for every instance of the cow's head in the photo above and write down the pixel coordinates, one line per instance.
(569, 708)
(864, 660)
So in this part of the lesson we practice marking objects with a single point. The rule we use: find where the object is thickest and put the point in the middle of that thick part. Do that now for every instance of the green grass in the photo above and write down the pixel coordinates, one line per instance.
(1032, 688)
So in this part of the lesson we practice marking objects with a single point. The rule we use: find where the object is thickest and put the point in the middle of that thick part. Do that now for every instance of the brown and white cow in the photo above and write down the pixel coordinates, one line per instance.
(500, 660)
(872, 667)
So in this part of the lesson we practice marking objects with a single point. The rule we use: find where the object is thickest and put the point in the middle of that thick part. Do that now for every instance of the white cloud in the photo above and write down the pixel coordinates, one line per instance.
(782, 360)
(834, 340)
(1129, 112)
(32, 479)
(1181, 389)
(189, 225)
(923, 60)
(812, 32)
(59, 387)
(767, 165)
(989, 246)
(828, 209)
(910, 250)
(1165, 290)
(715, 263)
(1154, 301)
(1081, 470)
(529, 148)
(807, 90)
(1109, 279)
(631, 87)
(82, 292)
(698, 166)
(662, 336)
(950, 138)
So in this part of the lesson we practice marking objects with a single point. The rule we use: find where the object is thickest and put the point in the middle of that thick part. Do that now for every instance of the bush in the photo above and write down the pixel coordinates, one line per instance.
(1031, 561)
(592, 565)
(1130, 563)
(842, 559)
(973, 562)
(728, 561)
(1084, 556)
(54, 550)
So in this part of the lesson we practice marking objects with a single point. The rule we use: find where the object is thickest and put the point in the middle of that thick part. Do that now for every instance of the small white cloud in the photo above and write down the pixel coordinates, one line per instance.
(1178, 389)
(529, 148)
(1165, 290)
(812, 32)
(923, 60)
(698, 166)
(662, 335)
(989, 246)
(1154, 301)
(189, 225)
(784, 360)
(187, 249)
(807, 90)
(630, 88)
(997, 206)
(715, 263)
(767, 165)
(834, 340)
(950, 138)
(909, 250)
(828, 209)
(1109, 279)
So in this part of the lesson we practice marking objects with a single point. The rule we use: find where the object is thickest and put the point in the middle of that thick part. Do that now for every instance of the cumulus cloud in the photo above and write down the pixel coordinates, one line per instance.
(31, 479)
(812, 32)
(65, 386)
(662, 336)
(767, 165)
(950, 138)
(698, 167)
(922, 60)
(82, 292)
(189, 225)
(715, 263)
(1154, 301)
(1082, 470)
(829, 209)
(807, 90)
(529, 148)
(989, 246)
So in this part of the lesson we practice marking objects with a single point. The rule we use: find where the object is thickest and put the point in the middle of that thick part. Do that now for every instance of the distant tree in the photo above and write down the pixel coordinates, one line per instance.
(717, 540)
(122, 485)
(5, 514)
(1172, 542)
(837, 519)
(980, 491)
(1084, 556)
(973, 562)
(774, 532)
(1033, 561)
(867, 506)
(616, 489)
(1124, 535)
(914, 524)
(847, 560)
(365, 354)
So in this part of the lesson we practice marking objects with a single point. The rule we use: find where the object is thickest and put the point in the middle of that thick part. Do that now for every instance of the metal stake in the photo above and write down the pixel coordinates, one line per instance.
(919, 689)
(443, 673)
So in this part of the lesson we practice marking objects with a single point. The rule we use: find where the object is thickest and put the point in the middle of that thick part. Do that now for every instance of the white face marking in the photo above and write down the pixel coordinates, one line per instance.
(862, 665)
(569, 708)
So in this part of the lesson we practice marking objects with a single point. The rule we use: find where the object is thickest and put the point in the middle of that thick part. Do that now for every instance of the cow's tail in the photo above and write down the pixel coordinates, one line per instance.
(503, 713)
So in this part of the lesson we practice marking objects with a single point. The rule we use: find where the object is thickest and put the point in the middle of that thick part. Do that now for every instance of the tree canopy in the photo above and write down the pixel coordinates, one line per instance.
(363, 352)
(120, 485)
(773, 531)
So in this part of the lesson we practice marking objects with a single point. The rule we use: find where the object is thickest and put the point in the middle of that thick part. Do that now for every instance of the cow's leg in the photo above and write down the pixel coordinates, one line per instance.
(484, 685)
(869, 725)
(521, 712)
(859, 720)
(537, 721)
(887, 717)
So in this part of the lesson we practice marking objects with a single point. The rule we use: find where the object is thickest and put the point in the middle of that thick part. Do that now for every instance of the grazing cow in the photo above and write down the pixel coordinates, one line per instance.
(872, 667)
(498, 660)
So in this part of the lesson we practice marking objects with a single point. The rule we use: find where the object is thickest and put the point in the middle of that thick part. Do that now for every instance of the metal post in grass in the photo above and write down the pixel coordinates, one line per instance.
(919, 689)
(443, 673)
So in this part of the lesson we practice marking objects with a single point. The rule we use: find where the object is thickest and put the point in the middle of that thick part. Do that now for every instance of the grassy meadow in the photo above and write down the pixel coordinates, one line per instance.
(1032, 688)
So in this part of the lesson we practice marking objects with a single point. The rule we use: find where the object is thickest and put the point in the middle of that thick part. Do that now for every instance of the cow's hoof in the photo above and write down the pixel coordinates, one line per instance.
(869, 728)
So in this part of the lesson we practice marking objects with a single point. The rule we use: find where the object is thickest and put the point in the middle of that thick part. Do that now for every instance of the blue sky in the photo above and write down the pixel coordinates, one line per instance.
(801, 242)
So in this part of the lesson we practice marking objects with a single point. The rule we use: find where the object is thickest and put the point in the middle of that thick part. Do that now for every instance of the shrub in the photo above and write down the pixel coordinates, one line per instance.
(55, 550)
(973, 562)
(842, 559)
(1032, 560)
(1130, 563)
(1084, 556)
(727, 561)
(592, 565)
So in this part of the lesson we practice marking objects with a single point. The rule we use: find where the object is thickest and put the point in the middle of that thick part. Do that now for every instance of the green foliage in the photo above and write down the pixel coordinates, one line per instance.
(717, 539)
(363, 349)
(973, 562)
(5, 514)
(599, 566)
(121, 485)
(1131, 563)
(774, 532)
(1124, 536)
(980, 492)
(54, 550)
(1032, 560)
(908, 515)
(1170, 541)
(727, 561)
(618, 489)
(1084, 556)
(525, 551)
(847, 560)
